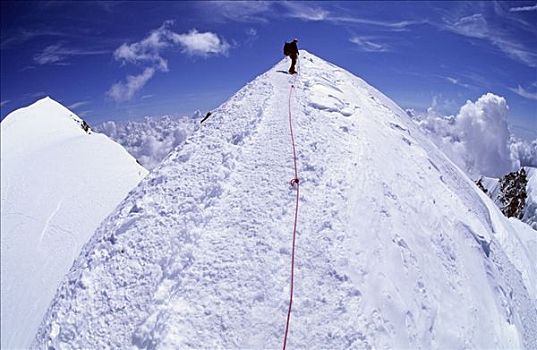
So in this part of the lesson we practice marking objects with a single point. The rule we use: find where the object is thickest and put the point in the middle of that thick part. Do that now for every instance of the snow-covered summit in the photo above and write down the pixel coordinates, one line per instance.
(43, 121)
(59, 181)
(396, 247)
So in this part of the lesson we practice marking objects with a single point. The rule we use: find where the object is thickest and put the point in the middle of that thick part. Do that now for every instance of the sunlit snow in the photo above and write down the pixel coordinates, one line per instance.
(58, 183)
(396, 247)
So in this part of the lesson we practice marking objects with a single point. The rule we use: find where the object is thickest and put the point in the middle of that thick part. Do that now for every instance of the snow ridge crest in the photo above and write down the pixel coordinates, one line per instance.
(396, 246)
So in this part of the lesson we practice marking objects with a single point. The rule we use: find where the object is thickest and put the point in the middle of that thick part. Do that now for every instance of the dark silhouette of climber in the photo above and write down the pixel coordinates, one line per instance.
(291, 50)
(206, 116)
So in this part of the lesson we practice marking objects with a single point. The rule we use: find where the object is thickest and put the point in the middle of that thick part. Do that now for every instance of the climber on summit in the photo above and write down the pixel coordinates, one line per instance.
(291, 50)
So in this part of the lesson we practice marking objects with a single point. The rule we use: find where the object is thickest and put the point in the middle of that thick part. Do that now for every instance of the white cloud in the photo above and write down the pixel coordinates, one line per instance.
(523, 8)
(37, 94)
(58, 54)
(124, 91)
(238, 11)
(152, 139)
(251, 32)
(456, 81)
(263, 11)
(305, 11)
(516, 50)
(392, 26)
(442, 104)
(84, 114)
(365, 44)
(195, 43)
(149, 50)
(483, 126)
(523, 153)
(477, 26)
(251, 36)
(77, 104)
(477, 138)
(49, 55)
(524, 93)
(25, 68)
(23, 35)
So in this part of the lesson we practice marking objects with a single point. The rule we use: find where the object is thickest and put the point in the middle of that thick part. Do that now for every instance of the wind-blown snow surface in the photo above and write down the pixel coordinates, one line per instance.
(58, 184)
(396, 247)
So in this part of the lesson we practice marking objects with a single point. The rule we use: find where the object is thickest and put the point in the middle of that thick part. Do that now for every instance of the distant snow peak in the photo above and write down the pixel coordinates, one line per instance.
(54, 109)
(81, 122)
(59, 181)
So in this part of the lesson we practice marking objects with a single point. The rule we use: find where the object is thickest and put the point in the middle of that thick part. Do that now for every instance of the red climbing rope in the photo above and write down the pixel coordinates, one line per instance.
(295, 179)
(295, 183)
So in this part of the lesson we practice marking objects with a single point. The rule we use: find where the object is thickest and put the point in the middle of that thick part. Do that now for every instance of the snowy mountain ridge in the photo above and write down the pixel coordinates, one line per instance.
(396, 247)
(59, 181)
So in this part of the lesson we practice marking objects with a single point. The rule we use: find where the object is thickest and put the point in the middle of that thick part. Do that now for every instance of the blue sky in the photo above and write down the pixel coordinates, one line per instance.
(126, 60)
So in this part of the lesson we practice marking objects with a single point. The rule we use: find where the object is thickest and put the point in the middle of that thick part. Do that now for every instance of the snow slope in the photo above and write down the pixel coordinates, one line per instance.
(397, 248)
(58, 183)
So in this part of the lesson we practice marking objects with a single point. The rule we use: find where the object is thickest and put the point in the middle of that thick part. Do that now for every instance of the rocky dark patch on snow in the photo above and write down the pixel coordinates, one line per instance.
(510, 193)
(482, 187)
(513, 188)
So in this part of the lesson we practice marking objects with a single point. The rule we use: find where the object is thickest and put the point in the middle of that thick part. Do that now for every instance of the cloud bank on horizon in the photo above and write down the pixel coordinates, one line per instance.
(478, 138)
(150, 140)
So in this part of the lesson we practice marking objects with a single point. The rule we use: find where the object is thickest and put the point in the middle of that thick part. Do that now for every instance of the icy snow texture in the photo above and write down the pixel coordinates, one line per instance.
(150, 140)
(397, 248)
(523, 153)
(58, 184)
(478, 138)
